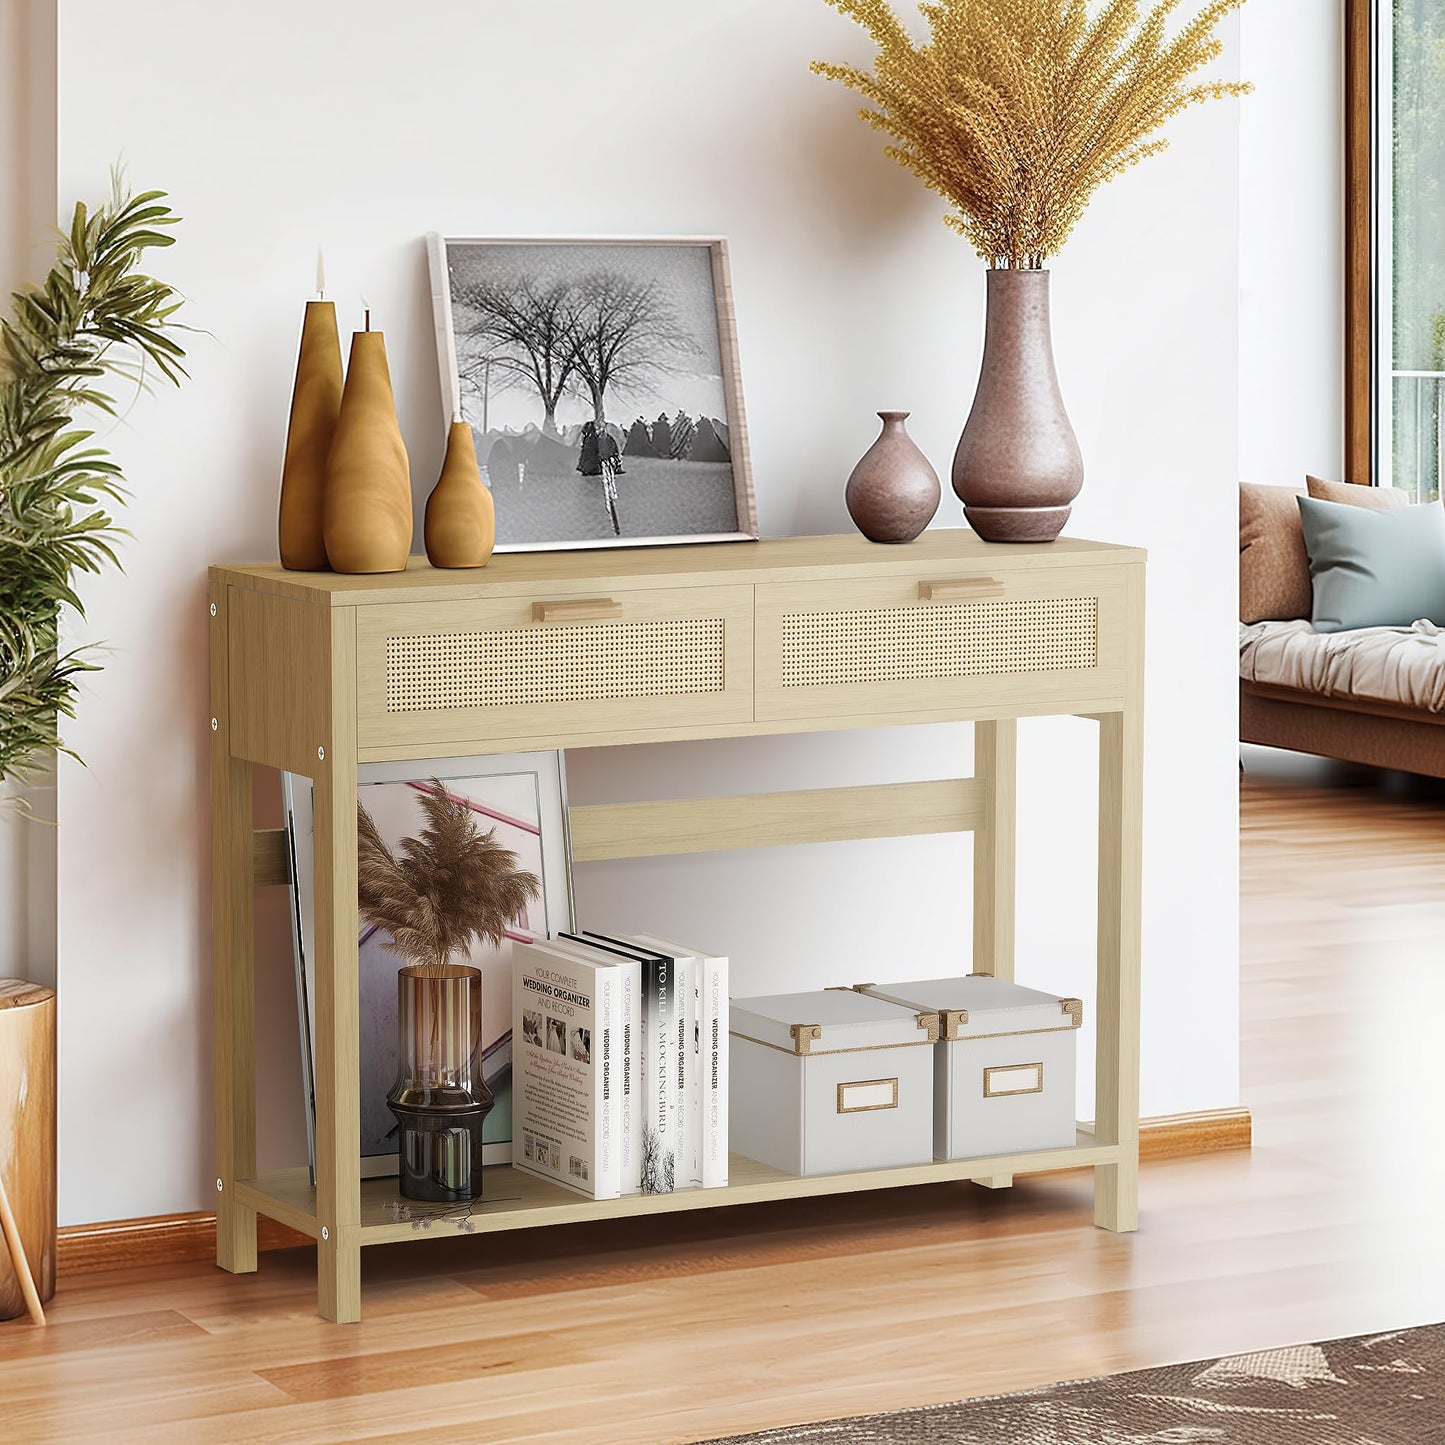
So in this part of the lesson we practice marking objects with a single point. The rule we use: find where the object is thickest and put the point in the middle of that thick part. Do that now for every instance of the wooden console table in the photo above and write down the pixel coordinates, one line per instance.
(316, 673)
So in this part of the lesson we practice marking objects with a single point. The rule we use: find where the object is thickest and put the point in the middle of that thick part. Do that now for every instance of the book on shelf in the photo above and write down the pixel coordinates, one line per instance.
(710, 1065)
(660, 1059)
(627, 1061)
(702, 1064)
(566, 1011)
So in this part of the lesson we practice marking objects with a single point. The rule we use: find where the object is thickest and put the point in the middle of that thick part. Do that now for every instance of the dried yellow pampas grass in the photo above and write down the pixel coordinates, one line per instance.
(1017, 111)
(448, 885)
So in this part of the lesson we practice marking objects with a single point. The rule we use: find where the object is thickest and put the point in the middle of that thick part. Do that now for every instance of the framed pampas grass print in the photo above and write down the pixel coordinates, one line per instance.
(601, 382)
(507, 814)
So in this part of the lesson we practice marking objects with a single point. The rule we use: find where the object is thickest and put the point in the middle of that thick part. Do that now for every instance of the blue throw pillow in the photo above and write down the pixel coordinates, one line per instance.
(1374, 568)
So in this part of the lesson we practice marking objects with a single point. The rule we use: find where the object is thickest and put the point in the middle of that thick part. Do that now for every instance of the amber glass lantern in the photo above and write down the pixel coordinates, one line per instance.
(439, 1098)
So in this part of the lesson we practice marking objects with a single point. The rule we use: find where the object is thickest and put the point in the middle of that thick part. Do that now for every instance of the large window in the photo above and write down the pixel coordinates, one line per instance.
(1400, 87)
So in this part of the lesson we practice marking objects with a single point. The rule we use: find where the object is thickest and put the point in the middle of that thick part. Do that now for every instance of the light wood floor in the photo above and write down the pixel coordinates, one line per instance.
(799, 1312)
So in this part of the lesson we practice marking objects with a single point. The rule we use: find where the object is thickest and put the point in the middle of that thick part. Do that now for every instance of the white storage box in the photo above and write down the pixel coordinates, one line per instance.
(827, 1083)
(1004, 1066)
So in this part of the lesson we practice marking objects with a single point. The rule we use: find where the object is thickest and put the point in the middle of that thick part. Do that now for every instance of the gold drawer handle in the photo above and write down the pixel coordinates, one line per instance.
(576, 609)
(960, 589)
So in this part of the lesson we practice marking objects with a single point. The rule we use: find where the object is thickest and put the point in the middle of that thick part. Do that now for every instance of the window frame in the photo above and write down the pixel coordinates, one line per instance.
(1361, 412)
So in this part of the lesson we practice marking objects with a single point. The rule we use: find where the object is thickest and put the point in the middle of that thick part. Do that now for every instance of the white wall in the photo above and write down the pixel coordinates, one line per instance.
(363, 125)
(27, 209)
(1291, 242)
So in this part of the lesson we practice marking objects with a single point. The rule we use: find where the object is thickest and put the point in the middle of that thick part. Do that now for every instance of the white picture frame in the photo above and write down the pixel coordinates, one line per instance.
(694, 337)
(535, 787)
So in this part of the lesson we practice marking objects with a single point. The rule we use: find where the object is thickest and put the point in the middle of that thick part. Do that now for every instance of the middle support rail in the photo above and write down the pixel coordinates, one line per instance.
(755, 820)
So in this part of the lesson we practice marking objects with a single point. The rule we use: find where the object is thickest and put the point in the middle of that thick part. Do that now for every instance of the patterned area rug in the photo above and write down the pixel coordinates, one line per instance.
(1376, 1390)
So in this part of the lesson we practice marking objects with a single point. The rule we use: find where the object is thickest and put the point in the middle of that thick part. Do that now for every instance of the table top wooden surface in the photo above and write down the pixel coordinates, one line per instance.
(780, 559)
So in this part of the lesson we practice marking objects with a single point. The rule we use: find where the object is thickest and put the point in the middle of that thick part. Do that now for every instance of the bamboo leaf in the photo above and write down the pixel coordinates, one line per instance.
(96, 316)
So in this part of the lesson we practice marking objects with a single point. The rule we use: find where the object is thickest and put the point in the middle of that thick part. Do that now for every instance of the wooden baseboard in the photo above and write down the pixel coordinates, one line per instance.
(1207, 1131)
(191, 1238)
(158, 1239)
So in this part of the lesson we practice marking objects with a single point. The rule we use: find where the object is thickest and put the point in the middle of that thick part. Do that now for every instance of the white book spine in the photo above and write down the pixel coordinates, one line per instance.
(608, 1094)
(714, 1027)
(659, 1003)
(687, 1129)
(630, 1061)
(710, 1074)
(697, 1124)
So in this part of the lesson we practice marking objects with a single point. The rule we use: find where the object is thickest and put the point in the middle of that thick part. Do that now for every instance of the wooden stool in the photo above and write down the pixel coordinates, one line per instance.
(27, 1148)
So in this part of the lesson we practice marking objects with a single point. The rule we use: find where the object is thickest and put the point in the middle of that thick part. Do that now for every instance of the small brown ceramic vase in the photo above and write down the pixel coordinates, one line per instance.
(893, 491)
(367, 514)
(315, 403)
(1018, 465)
(461, 523)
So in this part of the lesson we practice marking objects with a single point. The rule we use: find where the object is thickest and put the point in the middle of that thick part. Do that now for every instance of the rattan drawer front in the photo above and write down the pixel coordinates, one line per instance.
(935, 642)
(585, 662)
(489, 670)
(957, 639)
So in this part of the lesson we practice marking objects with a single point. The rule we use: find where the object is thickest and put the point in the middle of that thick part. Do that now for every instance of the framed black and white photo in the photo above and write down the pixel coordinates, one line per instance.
(519, 802)
(600, 380)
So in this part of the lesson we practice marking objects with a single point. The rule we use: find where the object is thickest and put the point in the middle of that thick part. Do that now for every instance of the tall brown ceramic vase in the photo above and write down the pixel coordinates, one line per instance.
(315, 402)
(461, 523)
(1018, 465)
(367, 515)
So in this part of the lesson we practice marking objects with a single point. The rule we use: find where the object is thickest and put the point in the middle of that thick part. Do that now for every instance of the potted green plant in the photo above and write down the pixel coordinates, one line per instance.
(1016, 114)
(96, 320)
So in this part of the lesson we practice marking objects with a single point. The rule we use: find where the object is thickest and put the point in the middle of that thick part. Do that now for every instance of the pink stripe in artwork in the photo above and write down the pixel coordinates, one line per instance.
(481, 808)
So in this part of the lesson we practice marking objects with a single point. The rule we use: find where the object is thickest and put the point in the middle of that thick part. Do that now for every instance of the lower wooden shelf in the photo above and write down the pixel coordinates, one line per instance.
(513, 1199)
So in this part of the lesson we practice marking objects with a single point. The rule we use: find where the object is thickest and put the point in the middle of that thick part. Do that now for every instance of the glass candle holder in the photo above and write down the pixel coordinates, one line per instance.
(440, 1099)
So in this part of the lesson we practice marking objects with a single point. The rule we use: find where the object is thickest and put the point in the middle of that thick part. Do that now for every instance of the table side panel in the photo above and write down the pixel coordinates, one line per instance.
(279, 683)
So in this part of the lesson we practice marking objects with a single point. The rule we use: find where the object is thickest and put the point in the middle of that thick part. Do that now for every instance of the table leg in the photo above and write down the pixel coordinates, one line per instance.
(337, 1074)
(995, 765)
(233, 965)
(1116, 1186)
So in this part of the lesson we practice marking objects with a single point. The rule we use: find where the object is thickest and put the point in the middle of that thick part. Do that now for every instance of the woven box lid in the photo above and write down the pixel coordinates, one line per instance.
(978, 1004)
(830, 1022)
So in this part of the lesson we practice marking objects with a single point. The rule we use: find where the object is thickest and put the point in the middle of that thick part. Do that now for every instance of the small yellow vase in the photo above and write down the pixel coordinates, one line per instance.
(367, 513)
(315, 402)
(461, 522)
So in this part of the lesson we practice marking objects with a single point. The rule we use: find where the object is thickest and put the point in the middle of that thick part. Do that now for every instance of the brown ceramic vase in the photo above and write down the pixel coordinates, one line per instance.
(1018, 465)
(315, 403)
(461, 523)
(367, 514)
(893, 491)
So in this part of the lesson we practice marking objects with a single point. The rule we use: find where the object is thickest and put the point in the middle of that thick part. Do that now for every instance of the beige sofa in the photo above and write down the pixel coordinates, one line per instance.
(1375, 696)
